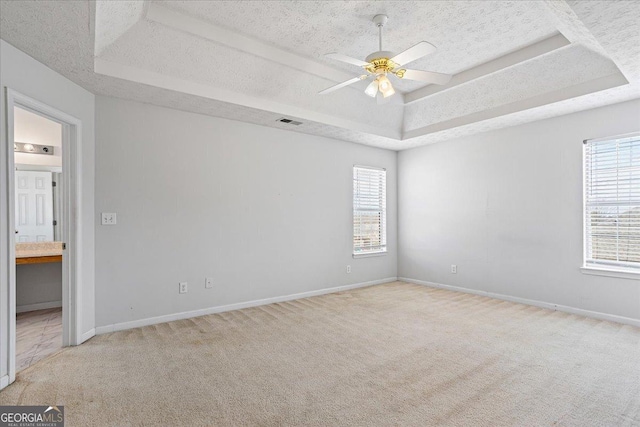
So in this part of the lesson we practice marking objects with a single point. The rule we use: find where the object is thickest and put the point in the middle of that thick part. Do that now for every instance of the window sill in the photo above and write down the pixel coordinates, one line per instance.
(619, 273)
(369, 255)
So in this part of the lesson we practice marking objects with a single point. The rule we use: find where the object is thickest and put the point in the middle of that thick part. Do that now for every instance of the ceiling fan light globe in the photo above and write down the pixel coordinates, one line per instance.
(388, 92)
(385, 86)
(372, 89)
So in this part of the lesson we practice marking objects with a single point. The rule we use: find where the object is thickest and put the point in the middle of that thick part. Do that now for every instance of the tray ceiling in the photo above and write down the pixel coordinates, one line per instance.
(314, 28)
(512, 62)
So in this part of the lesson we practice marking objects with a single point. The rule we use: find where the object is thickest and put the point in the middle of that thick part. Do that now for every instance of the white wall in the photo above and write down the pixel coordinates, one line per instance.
(263, 211)
(506, 208)
(35, 129)
(24, 74)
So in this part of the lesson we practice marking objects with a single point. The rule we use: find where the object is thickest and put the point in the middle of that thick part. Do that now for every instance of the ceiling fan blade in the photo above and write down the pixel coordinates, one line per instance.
(413, 53)
(347, 59)
(427, 76)
(341, 85)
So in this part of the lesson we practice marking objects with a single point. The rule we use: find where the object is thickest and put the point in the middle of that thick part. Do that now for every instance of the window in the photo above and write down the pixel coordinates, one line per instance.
(369, 210)
(612, 203)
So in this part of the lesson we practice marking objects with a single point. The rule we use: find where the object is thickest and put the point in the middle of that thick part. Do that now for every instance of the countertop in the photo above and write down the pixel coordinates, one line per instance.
(40, 249)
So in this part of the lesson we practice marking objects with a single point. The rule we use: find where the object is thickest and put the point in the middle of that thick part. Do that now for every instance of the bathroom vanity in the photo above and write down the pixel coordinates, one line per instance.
(38, 253)
(38, 275)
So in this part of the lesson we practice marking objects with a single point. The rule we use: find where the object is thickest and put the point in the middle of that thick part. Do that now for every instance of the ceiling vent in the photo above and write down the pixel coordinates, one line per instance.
(289, 121)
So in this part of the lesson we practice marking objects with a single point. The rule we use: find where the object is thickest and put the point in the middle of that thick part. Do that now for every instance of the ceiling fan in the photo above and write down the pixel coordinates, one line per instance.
(379, 64)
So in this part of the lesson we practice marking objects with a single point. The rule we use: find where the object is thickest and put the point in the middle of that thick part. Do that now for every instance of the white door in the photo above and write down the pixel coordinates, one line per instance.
(34, 206)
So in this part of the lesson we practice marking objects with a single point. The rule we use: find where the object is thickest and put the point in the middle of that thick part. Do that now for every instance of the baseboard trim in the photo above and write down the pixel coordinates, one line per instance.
(39, 306)
(564, 308)
(230, 307)
(4, 381)
(87, 335)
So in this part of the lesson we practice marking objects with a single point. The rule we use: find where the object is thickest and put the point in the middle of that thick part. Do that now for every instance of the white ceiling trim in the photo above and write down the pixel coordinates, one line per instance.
(535, 50)
(134, 74)
(113, 19)
(596, 85)
(243, 43)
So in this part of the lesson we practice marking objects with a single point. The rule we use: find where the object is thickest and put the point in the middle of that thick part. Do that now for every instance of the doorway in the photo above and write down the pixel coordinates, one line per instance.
(43, 230)
(38, 248)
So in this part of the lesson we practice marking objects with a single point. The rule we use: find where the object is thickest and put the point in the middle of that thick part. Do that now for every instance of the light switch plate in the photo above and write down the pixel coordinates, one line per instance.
(108, 218)
(208, 282)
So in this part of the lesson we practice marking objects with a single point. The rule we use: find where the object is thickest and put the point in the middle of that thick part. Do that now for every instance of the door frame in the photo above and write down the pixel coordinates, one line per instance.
(70, 227)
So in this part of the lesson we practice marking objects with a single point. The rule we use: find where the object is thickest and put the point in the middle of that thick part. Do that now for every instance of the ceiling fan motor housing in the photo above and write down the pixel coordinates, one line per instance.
(380, 62)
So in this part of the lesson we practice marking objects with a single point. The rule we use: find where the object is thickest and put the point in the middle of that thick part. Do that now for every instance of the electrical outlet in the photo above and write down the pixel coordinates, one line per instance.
(208, 282)
(108, 218)
(454, 269)
(183, 288)
(348, 269)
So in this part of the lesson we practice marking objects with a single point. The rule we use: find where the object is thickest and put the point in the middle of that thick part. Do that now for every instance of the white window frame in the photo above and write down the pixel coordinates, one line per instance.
(382, 250)
(589, 267)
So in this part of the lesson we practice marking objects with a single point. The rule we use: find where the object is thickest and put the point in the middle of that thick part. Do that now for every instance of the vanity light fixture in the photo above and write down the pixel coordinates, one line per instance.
(28, 148)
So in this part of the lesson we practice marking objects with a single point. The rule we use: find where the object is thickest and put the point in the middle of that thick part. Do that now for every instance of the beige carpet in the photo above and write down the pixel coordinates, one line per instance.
(395, 354)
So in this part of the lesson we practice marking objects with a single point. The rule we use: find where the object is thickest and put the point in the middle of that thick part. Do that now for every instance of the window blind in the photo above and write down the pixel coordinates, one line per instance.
(369, 210)
(612, 202)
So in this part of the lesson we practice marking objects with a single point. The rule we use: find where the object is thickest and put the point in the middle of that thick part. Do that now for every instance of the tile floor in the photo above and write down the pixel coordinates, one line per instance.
(38, 334)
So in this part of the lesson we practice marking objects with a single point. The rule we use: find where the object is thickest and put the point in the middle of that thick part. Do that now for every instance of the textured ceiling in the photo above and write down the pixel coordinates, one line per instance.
(466, 33)
(565, 67)
(171, 64)
(616, 28)
(151, 46)
(113, 19)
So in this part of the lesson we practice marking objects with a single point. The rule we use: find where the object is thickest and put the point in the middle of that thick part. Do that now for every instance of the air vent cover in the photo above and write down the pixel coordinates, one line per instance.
(289, 121)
